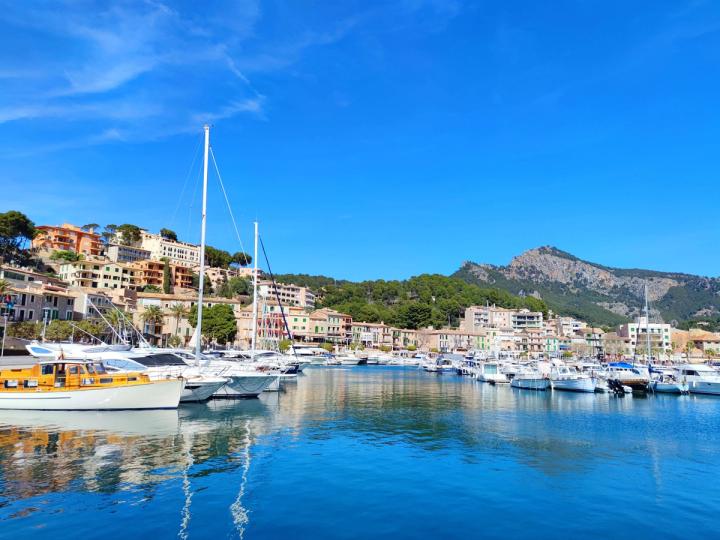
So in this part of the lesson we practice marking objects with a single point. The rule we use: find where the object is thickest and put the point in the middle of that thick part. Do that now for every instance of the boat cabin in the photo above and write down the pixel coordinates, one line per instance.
(61, 374)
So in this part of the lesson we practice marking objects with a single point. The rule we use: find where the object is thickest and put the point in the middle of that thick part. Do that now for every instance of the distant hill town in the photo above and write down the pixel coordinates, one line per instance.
(64, 281)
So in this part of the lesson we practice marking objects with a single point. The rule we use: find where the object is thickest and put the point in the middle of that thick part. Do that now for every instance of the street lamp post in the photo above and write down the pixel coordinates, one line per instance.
(5, 329)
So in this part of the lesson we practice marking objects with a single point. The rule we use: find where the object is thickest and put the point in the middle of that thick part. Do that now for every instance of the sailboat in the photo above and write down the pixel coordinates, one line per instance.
(243, 381)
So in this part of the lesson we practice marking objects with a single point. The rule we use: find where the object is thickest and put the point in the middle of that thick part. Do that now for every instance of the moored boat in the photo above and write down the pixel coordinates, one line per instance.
(80, 385)
(635, 376)
(489, 372)
(565, 378)
(530, 379)
(701, 379)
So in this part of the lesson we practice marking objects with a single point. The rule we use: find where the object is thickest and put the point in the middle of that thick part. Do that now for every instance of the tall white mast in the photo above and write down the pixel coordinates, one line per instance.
(255, 293)
(647, 323)
(201, 277)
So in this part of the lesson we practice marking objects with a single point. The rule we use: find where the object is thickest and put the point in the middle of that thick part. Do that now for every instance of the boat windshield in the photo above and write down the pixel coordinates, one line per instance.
(164, 359)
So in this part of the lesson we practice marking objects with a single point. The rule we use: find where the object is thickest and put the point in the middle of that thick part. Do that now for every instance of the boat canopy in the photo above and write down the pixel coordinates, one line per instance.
(624, 365)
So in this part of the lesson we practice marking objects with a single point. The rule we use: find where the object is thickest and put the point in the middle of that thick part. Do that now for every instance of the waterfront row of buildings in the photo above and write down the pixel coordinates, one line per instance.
(38, 297)
(130, 277)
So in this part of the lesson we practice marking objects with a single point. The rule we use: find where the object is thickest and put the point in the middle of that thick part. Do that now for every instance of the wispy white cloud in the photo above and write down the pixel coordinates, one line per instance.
(125, 63)
(148, 69)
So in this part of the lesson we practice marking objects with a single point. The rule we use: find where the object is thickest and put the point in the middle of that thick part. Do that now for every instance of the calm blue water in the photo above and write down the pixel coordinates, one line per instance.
(369, 452)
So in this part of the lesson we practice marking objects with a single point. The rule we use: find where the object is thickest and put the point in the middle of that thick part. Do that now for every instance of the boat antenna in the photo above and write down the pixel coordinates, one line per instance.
(201, 277)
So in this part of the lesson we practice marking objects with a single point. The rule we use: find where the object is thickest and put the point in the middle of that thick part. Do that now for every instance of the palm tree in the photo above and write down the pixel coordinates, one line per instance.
(4, 287)
(179, 311)
(118, 319)
(153, 315)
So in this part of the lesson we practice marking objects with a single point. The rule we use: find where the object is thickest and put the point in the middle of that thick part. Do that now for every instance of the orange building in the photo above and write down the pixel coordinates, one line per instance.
(151, 273)
(182, 276)
(148, 273)
(67, 237)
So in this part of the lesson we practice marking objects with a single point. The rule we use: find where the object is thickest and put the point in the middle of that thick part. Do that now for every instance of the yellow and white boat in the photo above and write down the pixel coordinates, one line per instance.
(81, 385)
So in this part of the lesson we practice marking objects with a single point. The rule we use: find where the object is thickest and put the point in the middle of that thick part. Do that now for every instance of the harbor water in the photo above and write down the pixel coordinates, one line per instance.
(369, 452)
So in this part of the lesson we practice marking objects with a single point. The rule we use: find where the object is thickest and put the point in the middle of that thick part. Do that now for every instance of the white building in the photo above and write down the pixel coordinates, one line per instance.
(494, 317)
(290, 295)
(180, 253)
(636, 333)
(120, 253)
(568, 326)
(524, 318)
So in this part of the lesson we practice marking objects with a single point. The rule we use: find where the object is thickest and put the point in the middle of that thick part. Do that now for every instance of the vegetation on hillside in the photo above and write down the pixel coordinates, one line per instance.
(561, 299)
(63, 256)
(313, 282)
(421, 301)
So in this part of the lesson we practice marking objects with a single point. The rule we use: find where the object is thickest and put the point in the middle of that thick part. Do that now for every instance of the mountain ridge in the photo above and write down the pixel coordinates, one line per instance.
(597, 293)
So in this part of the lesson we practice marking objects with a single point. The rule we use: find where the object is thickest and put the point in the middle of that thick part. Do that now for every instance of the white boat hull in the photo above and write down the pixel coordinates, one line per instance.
(156, 395)
(575, 385)
(201, 390)
(704, 387)
(245, 386)
(669, 387)
(273, 386)
(530, 384)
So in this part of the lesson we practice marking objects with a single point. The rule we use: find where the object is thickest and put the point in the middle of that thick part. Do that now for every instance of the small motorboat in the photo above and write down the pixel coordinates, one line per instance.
(530, 379)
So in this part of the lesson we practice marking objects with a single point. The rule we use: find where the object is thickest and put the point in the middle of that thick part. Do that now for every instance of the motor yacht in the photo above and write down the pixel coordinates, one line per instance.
(82, 385)
(530, 378)
(571, 379)
(636, 377)
(701, 379)
(489, 372)
(667, 381)
(157, 364)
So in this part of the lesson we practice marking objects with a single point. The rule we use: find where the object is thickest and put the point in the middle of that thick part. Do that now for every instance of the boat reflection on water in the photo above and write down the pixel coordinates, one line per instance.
(392, 438)
(128, 451)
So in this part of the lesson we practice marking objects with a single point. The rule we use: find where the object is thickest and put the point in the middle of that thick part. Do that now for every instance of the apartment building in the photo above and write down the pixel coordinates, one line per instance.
(636, 336)
(486, 317)
(35, 297)
(96, 273)
(372, 335)
(329, 325)
(217, 276)
(524, 319)
(404, 338)
(532, 341)
(447, 340)
(148, 273)
(90, 303)
(566, 326)
(181, 253)
(120, 253)
(39, 302)
(477, 317)
(67, 237)
(290, 295)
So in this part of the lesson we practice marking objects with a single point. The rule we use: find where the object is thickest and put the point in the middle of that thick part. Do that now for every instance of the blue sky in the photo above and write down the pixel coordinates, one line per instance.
(375, 139)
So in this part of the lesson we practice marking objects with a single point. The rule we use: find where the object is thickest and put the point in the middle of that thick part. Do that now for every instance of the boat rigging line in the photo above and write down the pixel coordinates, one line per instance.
(277, 295)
